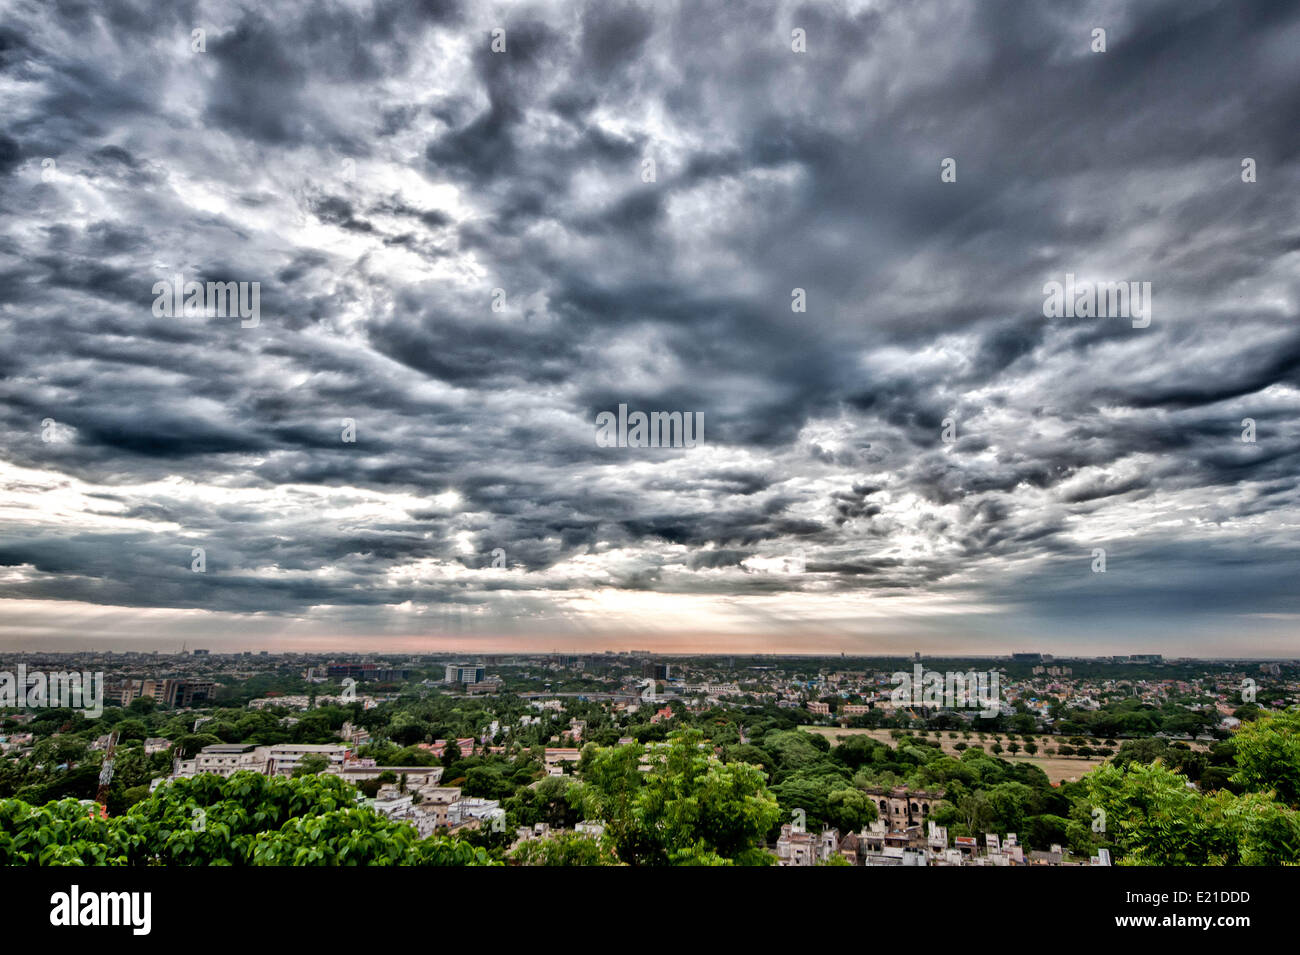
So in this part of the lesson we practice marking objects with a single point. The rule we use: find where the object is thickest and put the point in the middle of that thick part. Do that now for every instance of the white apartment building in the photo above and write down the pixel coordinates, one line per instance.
(475, 808)
(417, 777)
(222, 759)
(226, 759)
(282, 758)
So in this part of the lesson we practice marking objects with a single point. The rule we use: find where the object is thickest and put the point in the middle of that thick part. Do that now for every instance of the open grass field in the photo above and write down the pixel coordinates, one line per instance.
(1058, 768)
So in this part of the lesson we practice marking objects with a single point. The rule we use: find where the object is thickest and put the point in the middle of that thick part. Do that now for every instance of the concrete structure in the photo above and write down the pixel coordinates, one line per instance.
(417, 777)
(222, 759)
(465, 673)
(902, 808)
(226, 759)
(796, 847)
(557, 757)
(173, 692)
(283, 758)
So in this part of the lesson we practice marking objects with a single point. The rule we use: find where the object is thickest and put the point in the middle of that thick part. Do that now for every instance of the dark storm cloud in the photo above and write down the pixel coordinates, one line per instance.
(381, 172)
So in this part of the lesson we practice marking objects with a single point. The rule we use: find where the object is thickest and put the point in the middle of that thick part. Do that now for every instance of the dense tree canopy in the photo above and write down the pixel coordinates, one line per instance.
(688, 808)
(1152, 816)
(248, 819)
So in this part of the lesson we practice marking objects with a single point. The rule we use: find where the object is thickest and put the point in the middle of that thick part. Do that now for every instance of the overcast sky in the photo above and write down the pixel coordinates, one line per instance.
(379, 170)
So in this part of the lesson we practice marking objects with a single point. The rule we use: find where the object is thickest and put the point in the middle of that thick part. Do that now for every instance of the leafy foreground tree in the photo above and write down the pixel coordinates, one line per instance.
(565, 849)
(1267, 754)
(1154, 817)
(248, 819)
(687, 808)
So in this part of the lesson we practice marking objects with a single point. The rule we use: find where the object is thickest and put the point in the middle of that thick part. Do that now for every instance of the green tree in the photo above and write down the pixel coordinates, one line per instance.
(850, 809)
(311, 764)
(248, 819)
(1268, 756)
(689, 808)
(564, 848)
(1154, 817)
(450, 754)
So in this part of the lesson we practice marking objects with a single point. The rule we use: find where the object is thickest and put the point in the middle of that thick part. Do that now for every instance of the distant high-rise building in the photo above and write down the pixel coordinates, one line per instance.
(188, 692)
(465, 673)
(172, 692)
(654, 671)
(366, 672)
(355, 671)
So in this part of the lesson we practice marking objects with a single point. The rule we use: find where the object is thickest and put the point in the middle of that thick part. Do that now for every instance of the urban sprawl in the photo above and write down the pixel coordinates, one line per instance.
(872, 761)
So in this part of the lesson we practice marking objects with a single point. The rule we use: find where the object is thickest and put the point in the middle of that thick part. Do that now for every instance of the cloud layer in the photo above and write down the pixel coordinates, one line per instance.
(387, 179)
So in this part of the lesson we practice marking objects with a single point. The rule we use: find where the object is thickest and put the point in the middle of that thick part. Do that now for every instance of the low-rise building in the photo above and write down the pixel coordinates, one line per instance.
(903, 808)
(226, 759)
(416, 777)
(283, 758)
(797, 847)
(557, 758)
